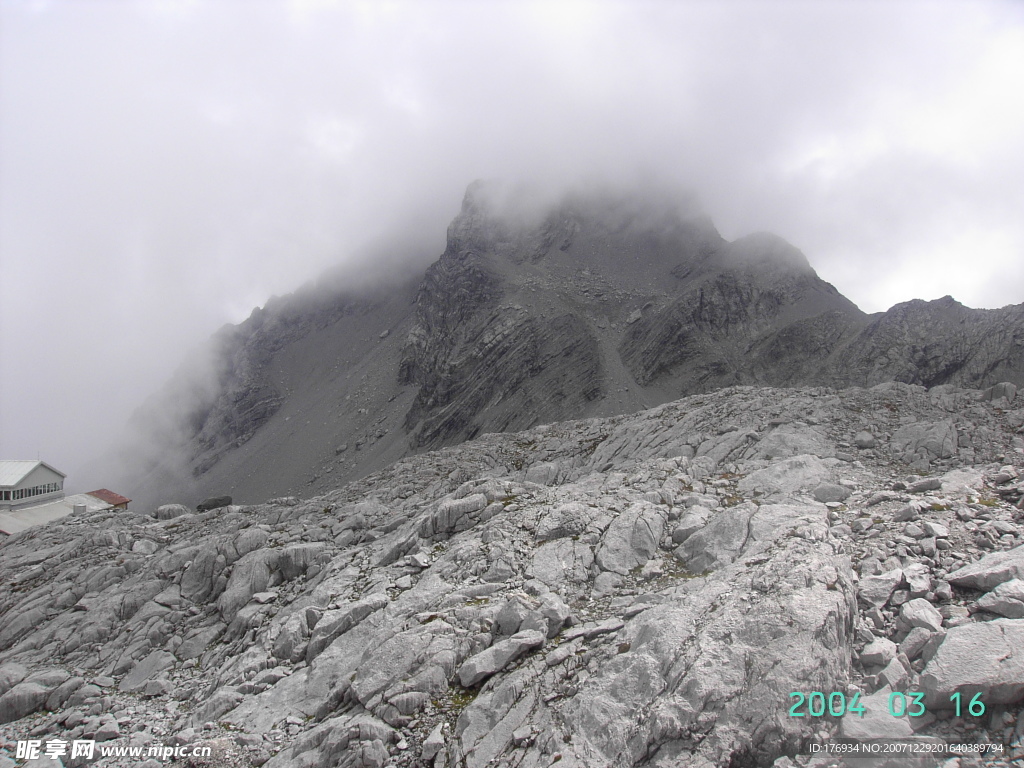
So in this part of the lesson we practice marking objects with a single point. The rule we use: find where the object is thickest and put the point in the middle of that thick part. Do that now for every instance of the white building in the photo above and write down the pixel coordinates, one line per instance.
(29, 483)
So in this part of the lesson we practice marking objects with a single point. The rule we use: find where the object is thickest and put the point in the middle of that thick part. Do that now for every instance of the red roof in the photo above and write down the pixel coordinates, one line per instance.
(109, 496)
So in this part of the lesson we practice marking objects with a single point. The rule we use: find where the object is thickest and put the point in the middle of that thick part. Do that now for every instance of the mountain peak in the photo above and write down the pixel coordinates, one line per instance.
(543, 307)
(765, 249)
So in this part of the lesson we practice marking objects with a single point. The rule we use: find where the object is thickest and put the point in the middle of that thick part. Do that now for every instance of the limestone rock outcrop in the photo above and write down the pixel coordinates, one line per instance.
(657, 601)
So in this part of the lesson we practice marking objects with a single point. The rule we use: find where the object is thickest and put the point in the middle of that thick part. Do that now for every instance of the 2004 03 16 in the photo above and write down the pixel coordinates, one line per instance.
(835, 704)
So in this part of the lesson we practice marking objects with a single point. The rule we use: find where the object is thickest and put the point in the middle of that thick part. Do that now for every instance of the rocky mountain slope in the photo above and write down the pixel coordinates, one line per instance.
(595, 305)
(643, 590)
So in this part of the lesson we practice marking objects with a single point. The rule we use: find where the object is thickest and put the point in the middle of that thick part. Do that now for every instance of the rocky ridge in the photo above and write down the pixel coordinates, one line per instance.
(642, 590)
(594, 305)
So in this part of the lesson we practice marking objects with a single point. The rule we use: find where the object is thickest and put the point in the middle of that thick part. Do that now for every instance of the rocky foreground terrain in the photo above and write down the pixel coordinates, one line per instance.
(642, 590)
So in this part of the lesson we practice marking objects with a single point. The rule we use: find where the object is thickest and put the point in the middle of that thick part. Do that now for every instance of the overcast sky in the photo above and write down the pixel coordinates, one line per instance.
(166, 166)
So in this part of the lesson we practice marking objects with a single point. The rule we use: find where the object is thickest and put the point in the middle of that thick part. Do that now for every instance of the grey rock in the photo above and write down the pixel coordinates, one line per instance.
(990, 571)
(170, 511)
(699, 654)
(925, 440)
(794, 440)
(63, 692)
(334, 623)
(555, 612)
(927, 484)
(107, 731)
(631, 681)
(1004, 389)
(913, 530)
(975, 658)
(11, 674)
(606, 582)
(920, 613)
(42, 762)
(719, 542)
(876, 724)
(895, 675)
(913, 644)
(151, 666)
(200, 577)
(433, 744)
(214, 502)
(918, 579)
(251, 574)
(513, 613)
(829, 492)
(864, 440)
(875, 591)
(145, 546)
(560, 562)
(878, 652)
(21, 700)
(691, 522)
(906, 514)
(632, 538)
(542, 474)
(197, 641)
(787, 477)
(1007, 599)
(590, 630)
(497, 657)
(454, 515)
(296, 559)
(569, 519)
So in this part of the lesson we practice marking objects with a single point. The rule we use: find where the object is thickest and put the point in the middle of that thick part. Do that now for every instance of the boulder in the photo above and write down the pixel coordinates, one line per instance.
(864, 440)
(878, 652)
(21, 700)
(334, 623)
(147, 669)
(980, 657)
(10, 675)
(990, 571)
(927, 484)
(925, 440)
(794, 439)
(920, 613)
(787, 477)
(875, 591)
(569, 519)
(214, 502)
(632, 538)
(719, 542)
(1007, 599)
(876, 724)
(170, 511)
(829, 492)
(544, 473)
(696, 517)
(497, 657)
(1003, 390)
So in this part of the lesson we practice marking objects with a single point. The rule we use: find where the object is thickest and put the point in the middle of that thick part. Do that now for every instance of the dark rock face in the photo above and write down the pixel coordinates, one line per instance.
(484, 365)
(214, 502)
(590, 306)
(936, 342)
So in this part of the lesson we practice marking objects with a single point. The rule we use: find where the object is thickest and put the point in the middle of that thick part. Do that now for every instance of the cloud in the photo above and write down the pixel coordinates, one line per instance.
(167, 165)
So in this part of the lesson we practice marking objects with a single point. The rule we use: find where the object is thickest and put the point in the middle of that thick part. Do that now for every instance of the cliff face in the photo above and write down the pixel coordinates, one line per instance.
(536, 312)
(936, 342)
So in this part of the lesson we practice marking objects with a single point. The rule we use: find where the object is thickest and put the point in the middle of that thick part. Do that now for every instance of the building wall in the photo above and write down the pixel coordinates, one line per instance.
(40, 476)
